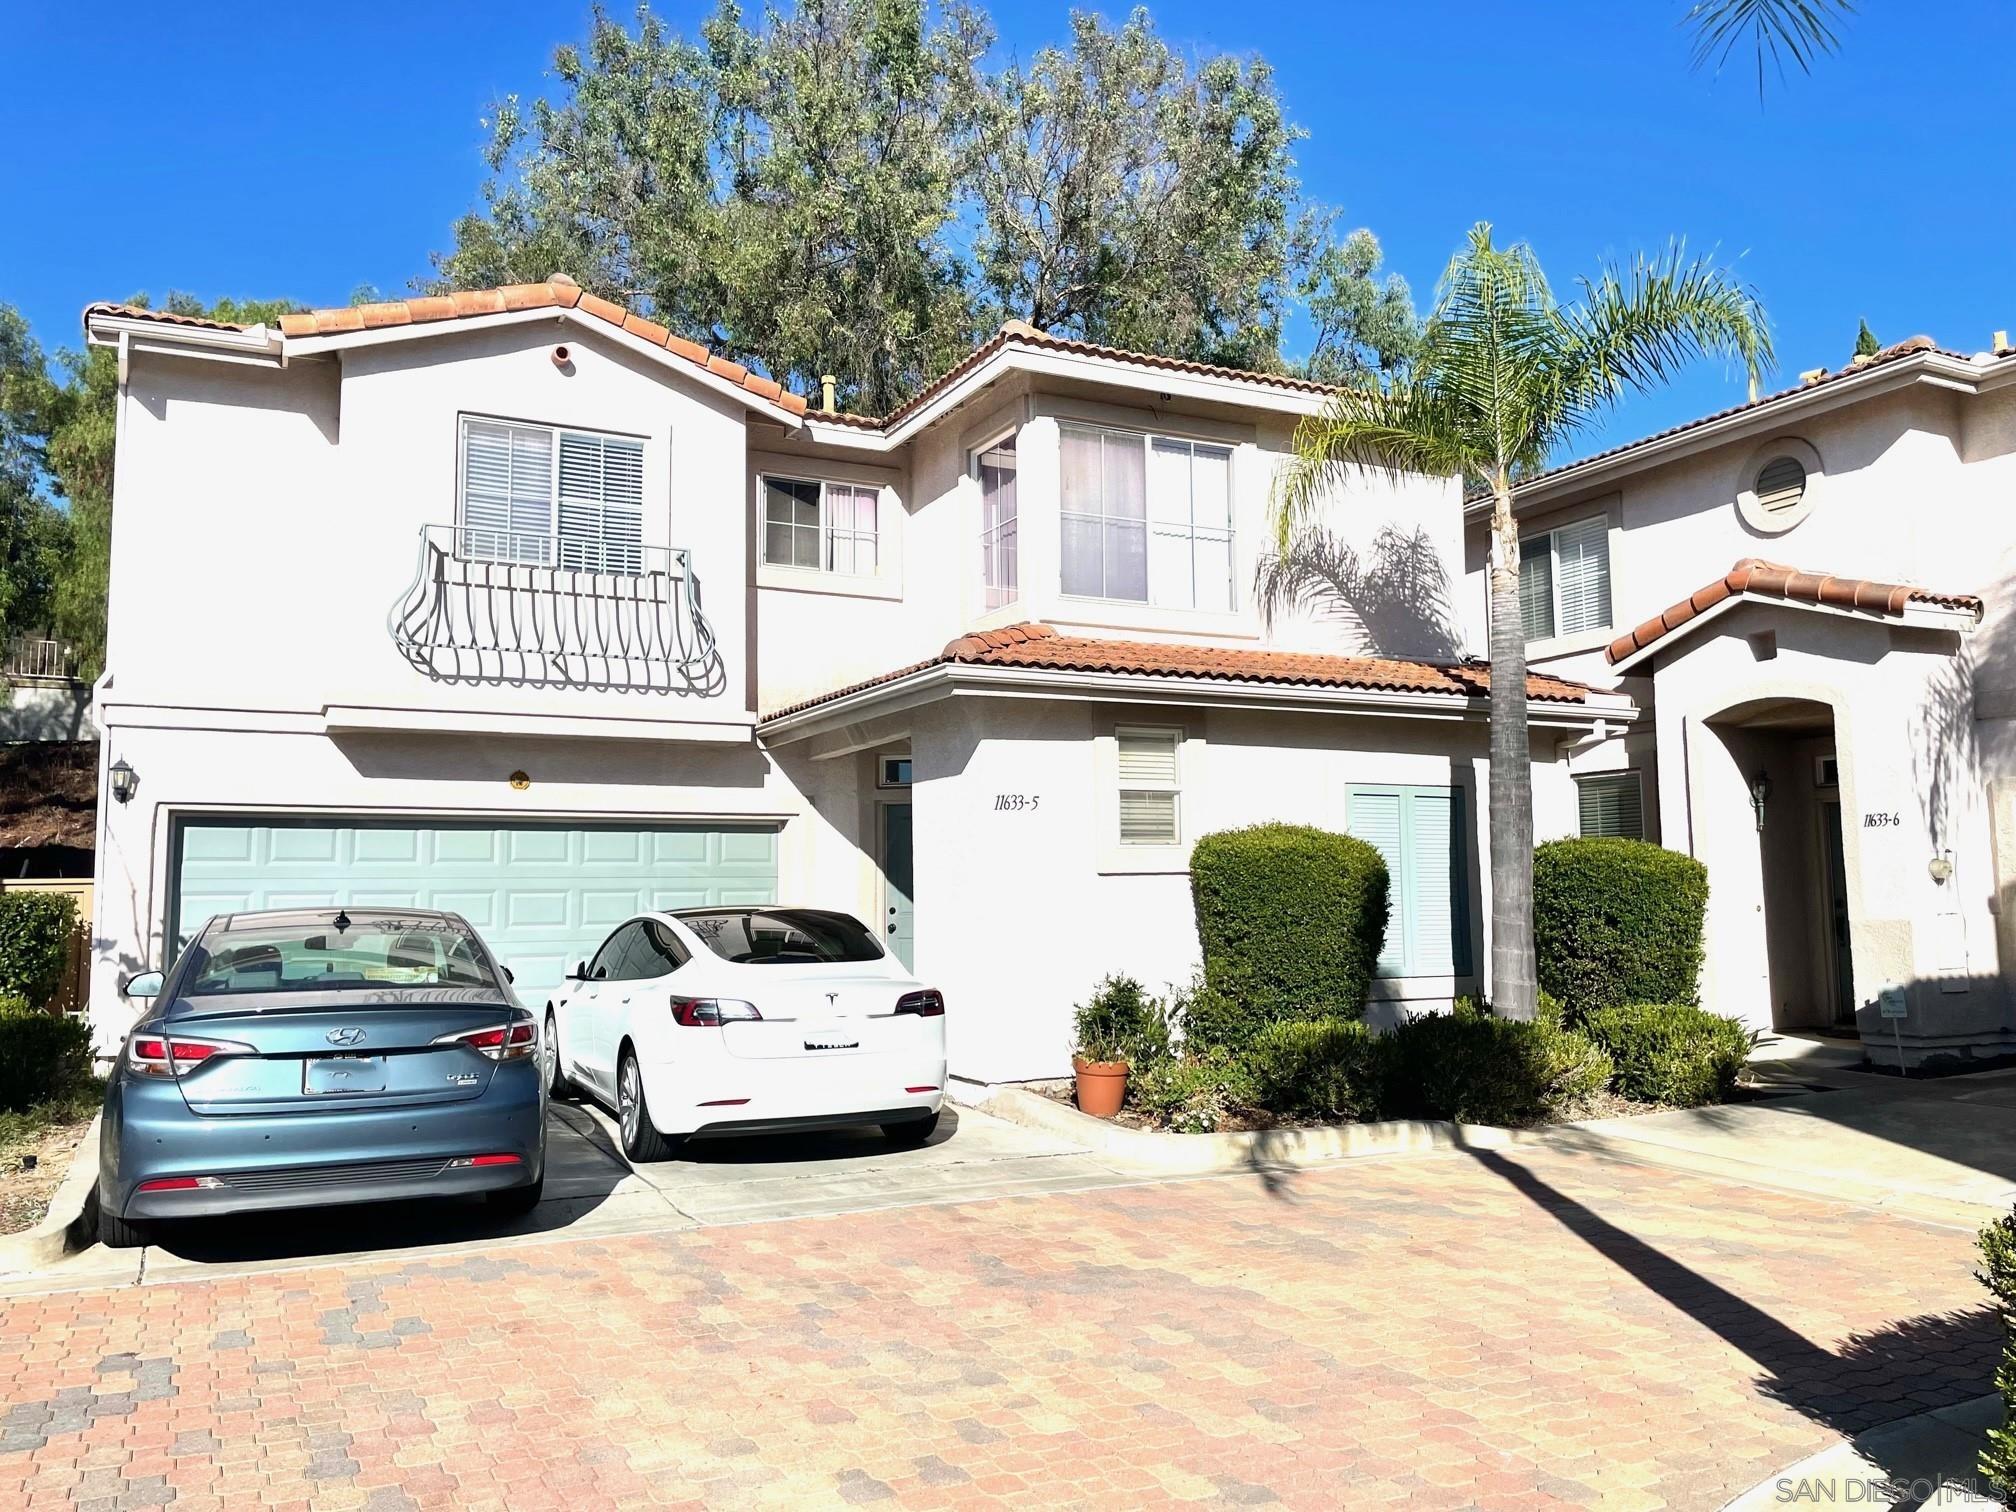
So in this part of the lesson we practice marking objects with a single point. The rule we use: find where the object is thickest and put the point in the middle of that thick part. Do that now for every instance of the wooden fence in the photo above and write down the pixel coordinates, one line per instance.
(74, 995)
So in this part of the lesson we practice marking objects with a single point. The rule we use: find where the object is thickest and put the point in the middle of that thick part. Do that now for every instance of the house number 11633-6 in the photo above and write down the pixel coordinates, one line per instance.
(1017, 803)
(1881, 821)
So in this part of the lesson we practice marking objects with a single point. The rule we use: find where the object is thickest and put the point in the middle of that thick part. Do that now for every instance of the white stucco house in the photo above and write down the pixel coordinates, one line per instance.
(514, 602)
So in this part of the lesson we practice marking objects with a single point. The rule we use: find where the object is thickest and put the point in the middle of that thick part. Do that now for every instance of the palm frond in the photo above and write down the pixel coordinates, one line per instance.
(1800, 31)
(1395, 431)
(1489, 341)
(1635, 326)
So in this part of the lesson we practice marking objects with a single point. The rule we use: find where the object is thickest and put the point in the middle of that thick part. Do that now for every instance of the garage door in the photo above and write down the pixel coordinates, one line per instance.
(543, 897)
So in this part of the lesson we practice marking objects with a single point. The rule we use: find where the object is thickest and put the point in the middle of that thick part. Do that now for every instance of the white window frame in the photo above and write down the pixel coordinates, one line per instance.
(1150, 527)
(828, 534)
(622, 553)
(1555, 631)
(1010, 531)
(1126, 788)
(1637, 778)
(888, 759)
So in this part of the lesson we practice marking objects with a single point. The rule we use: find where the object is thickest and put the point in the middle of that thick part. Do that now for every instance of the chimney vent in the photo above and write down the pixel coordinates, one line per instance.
(2001, 342)
(829, 393)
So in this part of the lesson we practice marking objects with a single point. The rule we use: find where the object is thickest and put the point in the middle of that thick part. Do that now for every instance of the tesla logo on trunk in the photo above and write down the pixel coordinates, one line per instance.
(348, 1036)
(832, 998)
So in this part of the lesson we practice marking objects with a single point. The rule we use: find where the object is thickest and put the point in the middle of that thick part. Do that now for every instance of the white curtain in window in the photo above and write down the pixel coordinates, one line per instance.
(999, 527)
(850, 528)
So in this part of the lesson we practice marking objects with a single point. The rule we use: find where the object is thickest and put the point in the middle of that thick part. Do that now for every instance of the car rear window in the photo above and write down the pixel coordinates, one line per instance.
(378, 952)
(785, 937)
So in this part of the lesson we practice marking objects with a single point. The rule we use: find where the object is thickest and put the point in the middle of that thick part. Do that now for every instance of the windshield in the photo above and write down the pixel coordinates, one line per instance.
(318, 957)
(784, 937)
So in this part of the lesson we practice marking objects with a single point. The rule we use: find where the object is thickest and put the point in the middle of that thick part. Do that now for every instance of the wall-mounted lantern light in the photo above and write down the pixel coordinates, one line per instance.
(1760, 794)
(125, 781)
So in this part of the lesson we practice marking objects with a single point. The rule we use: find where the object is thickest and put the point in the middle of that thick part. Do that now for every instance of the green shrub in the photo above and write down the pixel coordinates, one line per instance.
(1672, 1053)
(35, 934)
(1121, 1022)
(42, 1056)
(1617, 921)
(1319, 1068)
(1547, 1009)
(1291, 920)
(1477, 1069)
(1998, 1273)
(1193, 1095)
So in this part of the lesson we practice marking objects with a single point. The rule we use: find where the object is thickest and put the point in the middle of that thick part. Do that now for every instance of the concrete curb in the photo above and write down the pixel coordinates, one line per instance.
(1265, 1149)
(65, 1227)
(1927, 1459)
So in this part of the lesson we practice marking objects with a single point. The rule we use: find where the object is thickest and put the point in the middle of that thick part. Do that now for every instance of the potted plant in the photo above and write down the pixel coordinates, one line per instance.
(1109, 1027)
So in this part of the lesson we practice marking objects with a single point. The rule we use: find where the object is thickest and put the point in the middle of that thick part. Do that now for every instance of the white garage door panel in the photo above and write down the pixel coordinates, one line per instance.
(542, 897)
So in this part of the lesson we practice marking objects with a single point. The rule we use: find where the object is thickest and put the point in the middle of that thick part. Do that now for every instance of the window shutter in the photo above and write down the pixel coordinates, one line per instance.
(1612, 806)
(1435, 846)
(1375, 818)
(1536, 587)
(1149, 773)
(1582, 572)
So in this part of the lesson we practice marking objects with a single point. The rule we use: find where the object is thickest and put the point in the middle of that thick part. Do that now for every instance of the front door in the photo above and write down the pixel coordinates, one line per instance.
(1838, 937)
(899, 925)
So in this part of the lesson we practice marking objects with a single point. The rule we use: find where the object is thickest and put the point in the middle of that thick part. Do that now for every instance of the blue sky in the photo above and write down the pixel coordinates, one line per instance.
(251, 149)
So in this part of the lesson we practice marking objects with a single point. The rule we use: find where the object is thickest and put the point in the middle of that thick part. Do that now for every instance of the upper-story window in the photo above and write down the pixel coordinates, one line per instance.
(1147, 518)
(1564, 579)
(550, 497)
(999, 561)
(827, 527)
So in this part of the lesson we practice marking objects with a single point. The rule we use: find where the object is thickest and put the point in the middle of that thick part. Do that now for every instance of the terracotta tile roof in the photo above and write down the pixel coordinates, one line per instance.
(163, 317)
(1039, 647)
(1021, 333)
(1913, 347)
(556, 293)
(1770, 580)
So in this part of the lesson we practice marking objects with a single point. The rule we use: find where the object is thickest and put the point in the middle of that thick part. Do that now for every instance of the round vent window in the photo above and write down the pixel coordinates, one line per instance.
(1781, 485)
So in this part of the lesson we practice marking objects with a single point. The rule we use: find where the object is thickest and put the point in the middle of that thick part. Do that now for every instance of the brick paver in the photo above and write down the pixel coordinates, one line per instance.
(1504, 1331)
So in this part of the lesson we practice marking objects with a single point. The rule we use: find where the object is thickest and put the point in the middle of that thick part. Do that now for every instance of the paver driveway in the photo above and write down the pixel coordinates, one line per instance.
(1531, 1329)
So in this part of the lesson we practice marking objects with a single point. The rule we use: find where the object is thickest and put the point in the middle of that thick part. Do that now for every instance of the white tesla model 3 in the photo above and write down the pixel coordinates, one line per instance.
(748, 1020)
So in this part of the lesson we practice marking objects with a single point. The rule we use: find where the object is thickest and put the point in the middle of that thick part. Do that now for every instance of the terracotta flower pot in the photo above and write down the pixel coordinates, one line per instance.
(1102, 1086)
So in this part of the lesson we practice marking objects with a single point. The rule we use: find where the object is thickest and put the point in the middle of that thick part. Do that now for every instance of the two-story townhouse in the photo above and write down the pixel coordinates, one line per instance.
(1810, 598)
(516, 603)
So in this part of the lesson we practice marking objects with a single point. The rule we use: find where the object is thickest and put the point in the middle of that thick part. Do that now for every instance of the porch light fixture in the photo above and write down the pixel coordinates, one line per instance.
(1760, 794)
(125, 781)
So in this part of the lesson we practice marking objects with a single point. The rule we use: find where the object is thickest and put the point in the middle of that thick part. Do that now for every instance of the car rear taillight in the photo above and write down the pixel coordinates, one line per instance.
(711, 1013)
(171, 1055)
(501, 1043)
(930, 1003)
(466, 1162)
(180, 1184)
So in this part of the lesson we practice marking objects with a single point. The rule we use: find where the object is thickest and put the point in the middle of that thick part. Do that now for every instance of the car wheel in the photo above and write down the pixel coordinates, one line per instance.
(557, 1083)
(641, 1139)
(516, 1202)
(911, 1134)
(115, 1232)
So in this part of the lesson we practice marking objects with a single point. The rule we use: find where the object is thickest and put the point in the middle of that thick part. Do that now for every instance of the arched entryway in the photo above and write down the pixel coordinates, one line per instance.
(1782, 911)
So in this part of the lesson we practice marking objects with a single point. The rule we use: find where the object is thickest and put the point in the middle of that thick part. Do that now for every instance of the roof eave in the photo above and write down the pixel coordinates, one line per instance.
(945, 679)
(1915, 615)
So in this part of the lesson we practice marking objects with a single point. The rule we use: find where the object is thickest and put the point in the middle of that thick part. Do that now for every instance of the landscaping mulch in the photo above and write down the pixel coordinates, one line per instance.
(1249, 1120)
(36, 1151)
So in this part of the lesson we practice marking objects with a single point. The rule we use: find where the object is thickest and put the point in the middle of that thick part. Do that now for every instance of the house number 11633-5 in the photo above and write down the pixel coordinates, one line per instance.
(1017, 803)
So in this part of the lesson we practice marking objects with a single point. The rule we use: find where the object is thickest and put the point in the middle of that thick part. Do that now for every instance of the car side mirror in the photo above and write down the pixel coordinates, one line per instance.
(510, 975)
(579, 973)
(146, 984)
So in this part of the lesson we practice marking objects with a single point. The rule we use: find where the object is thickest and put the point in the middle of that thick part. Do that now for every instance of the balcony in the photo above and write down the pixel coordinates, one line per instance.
(516, 609)
(30, 659)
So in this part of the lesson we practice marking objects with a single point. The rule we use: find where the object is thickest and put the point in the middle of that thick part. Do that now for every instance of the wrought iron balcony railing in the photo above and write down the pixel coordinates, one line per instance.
(517, 608)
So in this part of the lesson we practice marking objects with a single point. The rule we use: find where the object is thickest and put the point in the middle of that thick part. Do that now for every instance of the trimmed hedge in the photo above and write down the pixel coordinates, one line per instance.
(1291, 920)
(1672, 1053)
(1997, 1244)
(1474, 1068)
(1617, 921)
(1320, 1068)
(35, 933)
(41, 1055)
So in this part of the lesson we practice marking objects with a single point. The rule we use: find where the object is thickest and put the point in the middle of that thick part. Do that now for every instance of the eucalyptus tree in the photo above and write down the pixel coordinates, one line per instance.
(1503, 377)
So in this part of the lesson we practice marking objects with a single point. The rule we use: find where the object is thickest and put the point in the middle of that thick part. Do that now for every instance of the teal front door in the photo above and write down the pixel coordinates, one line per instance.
(542, 896)
(899, 926)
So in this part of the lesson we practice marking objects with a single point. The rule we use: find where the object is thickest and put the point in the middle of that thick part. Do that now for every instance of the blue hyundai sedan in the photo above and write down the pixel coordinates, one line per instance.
(308, 1057)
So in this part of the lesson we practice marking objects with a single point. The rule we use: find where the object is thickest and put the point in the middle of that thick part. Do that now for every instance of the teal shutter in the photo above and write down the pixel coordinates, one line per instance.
(1420, 832)
(1536, 587)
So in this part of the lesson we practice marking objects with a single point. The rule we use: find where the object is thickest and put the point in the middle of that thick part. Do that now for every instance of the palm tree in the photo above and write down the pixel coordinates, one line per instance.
(1798, 31)
(1504, 377)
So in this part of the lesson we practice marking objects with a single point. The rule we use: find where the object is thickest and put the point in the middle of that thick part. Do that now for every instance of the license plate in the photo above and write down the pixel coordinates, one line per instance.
(819, 1036)
(346, 1073)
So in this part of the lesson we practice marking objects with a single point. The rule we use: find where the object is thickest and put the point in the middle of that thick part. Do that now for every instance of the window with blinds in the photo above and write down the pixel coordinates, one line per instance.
(549, 497)
(1420, 831)
(826, 527)
(1150, 785)
(1612, 805)
(1564, 579)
